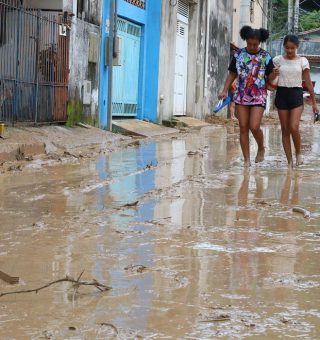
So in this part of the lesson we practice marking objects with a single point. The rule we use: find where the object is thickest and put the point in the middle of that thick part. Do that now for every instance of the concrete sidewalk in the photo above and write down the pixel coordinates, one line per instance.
(26, 142)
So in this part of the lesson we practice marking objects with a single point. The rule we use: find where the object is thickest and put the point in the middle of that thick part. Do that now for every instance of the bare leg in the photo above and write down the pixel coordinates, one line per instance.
(256, 114)
(295, 116)
(232, 110)
(243, 118)
(284, 117)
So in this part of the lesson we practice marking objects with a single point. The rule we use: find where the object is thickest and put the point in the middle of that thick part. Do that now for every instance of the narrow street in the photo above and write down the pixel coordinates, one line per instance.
(193, 245)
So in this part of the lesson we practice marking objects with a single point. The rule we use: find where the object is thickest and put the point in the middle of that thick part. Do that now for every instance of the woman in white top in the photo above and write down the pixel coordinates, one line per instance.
(292, 69)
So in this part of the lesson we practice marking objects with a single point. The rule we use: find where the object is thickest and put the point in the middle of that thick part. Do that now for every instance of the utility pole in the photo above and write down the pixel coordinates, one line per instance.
(290, 16)
(110, 62)
(296, 17)
(270, 21)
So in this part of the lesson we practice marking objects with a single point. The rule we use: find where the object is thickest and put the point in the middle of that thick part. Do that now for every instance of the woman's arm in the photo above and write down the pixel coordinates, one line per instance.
(307, 79)
(230, 79)
(274, 74)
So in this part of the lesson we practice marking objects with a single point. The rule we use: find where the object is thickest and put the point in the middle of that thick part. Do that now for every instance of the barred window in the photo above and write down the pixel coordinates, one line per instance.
(138, 3)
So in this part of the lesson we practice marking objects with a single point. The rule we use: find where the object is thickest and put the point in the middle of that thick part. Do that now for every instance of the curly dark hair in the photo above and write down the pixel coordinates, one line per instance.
(247, 32)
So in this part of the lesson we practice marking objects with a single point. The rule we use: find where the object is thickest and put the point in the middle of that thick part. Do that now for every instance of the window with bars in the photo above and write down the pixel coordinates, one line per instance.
(138, 3)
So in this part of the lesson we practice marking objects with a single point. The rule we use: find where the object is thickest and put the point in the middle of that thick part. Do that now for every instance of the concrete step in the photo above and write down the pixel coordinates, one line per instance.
(192, 122)
(137, 127)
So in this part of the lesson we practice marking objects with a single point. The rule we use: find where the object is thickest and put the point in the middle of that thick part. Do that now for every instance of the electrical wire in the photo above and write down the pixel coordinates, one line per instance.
(316, 3)
(263, 11)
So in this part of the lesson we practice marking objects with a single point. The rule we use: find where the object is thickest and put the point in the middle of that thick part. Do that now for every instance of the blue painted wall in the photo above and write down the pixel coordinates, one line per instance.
(149, 19)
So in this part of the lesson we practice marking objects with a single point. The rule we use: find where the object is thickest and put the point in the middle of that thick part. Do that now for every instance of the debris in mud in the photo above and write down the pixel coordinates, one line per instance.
(55, 157)
(217, 318)
(193, 153)
(284, 320)
(48, 335)
(304, 212)
(67, 153)
(135, 143)
(106, 324)
(76, 283)
(72, 328)
(15, 167)
(130, 205)
(138, 268)
(213, 119)
(9, 279)
(262, 202)
(28, 158)
(248, 324)
(291, 281)
(40, 225)
(149, 166)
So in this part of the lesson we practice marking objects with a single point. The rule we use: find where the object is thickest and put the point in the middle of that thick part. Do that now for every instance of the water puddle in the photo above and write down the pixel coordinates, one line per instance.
(193, 245)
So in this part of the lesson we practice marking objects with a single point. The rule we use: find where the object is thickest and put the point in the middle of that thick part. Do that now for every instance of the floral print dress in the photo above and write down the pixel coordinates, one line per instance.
(252, 71)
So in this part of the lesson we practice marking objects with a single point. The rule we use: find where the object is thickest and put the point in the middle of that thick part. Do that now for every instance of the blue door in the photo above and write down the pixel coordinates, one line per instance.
(126, 76)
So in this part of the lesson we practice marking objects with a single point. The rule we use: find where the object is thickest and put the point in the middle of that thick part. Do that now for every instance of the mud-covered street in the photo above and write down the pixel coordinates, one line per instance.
(193, 245)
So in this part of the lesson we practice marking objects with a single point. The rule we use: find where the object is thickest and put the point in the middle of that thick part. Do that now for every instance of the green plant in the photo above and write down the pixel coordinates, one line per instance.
(310, 21)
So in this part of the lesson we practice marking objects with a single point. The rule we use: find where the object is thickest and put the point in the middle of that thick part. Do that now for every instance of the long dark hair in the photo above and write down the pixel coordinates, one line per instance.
(248, 32)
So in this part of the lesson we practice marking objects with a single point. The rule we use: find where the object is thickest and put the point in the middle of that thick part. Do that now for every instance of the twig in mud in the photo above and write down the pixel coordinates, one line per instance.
(133, 204)
(304, 212)
(110, 325)
(224, 318)
(75, 284)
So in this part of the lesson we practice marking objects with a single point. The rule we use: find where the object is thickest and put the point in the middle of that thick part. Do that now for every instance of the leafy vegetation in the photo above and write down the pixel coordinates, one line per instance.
(309, 17)
(310, 21)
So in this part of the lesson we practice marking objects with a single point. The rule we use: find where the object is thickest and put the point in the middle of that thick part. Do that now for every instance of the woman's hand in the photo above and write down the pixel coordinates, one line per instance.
(274, 74)
(223, 94)
(315, 108)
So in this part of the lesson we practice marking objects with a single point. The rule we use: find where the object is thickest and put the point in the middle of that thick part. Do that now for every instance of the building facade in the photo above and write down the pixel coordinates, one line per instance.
(136, 72)
(248, 12)
(194, 56)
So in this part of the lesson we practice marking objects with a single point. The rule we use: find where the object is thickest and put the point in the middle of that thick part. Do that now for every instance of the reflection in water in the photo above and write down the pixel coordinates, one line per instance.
(210, 234)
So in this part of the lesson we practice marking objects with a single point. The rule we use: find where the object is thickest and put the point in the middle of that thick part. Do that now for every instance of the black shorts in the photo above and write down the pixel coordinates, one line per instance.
(288, 98)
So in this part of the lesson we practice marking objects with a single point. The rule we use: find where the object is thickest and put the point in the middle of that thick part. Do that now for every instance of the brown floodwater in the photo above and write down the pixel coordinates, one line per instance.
(223, 254)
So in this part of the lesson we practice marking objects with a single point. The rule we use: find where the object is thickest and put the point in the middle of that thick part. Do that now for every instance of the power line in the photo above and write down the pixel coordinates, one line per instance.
(263, 11)
(316, 3)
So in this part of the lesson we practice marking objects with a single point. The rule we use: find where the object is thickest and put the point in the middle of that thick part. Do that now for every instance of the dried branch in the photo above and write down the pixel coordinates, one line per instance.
(75, 284)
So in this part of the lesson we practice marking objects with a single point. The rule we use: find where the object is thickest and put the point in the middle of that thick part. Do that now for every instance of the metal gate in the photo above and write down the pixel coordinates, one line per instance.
(34, 64)
(126, 76)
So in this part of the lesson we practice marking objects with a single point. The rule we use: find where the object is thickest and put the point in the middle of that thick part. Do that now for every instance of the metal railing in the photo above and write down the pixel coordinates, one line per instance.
(34, 64)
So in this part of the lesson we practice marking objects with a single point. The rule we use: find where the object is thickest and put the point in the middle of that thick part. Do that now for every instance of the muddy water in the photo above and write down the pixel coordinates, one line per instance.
(223, 254)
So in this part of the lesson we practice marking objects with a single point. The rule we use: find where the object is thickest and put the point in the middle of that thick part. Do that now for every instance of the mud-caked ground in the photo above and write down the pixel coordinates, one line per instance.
(193, 245)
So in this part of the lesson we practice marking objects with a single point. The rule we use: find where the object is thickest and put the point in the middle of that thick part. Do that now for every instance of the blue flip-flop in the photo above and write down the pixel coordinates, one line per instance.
(222, 103)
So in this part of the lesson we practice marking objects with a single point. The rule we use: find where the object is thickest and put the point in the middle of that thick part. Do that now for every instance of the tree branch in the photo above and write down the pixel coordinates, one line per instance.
(75, 284)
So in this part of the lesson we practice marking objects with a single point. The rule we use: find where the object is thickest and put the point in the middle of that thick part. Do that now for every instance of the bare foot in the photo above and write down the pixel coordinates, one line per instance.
(299, 160)
(247, 163)
(260, 155)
